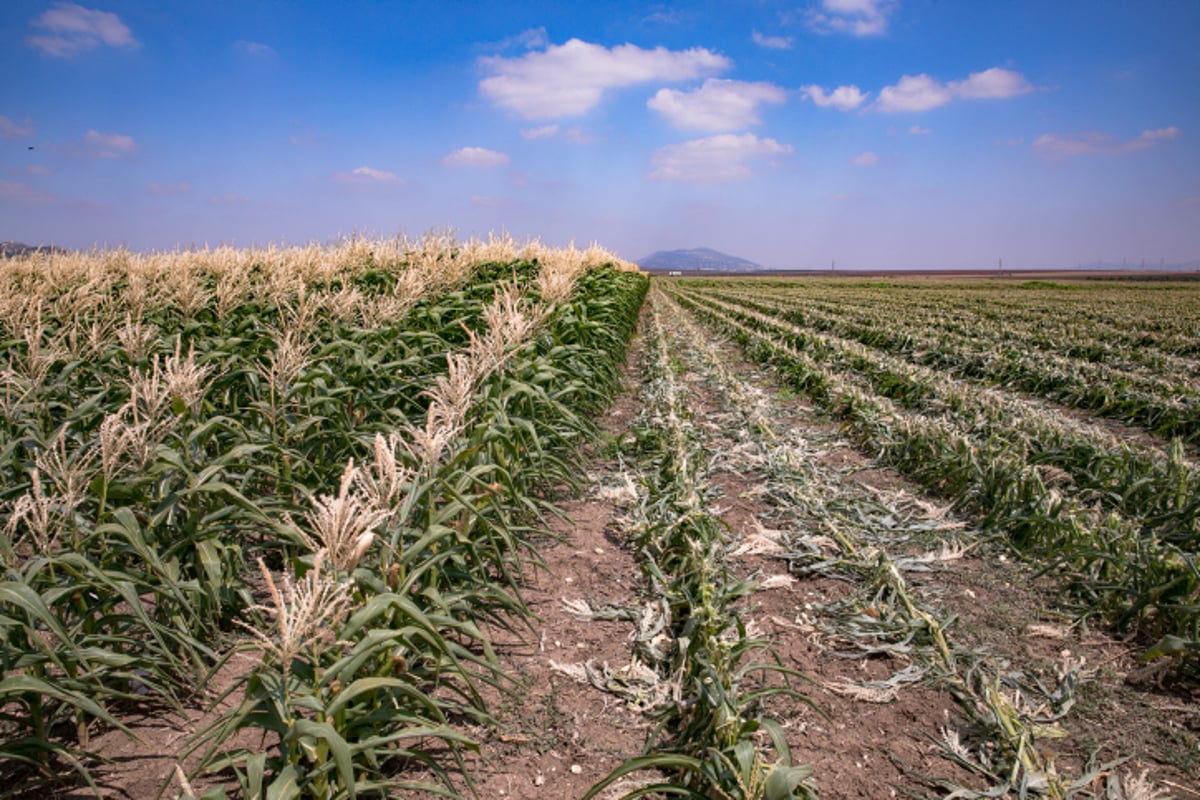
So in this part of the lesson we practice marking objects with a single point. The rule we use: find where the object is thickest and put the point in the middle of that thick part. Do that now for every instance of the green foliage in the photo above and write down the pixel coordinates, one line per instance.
(146, 465)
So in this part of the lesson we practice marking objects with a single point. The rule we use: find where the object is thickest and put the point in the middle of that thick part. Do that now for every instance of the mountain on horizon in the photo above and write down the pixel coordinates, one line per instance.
(699, 258)
(11, 249)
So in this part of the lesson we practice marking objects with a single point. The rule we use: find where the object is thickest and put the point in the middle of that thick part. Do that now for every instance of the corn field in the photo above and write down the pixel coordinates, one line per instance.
(329, 457)
(340, 465)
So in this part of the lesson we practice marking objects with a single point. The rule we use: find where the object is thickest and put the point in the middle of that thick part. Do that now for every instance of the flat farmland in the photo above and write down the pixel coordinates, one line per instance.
(440, 518)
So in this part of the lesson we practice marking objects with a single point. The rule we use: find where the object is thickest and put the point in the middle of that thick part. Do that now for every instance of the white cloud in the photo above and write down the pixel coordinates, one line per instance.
(571, 79)
(256, 49)
(475, 157)
(917, 130)
(718, 105)
(1065, 145)
(71, 29)
(913, 93)
(366, 176)
(772, 42)
(95, 144)
(865, 159)
(715, 159)
(922, 93)
(994, 83)
(13, 130)
(843, 98)
(855, 17)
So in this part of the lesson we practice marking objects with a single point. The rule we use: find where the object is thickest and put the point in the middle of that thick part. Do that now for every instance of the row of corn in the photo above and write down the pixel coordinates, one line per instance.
(328, 458)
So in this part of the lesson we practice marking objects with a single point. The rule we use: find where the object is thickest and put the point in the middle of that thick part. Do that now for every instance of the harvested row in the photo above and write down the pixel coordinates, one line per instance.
(1086, 462)
(1115, 316)
(892, 553)
(1160, 405)
(1048, 330)
(1139, 582)
(697, 670)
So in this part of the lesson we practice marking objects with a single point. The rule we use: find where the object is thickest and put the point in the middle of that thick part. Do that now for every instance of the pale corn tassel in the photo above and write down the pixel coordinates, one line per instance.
(305, 612)
(70, 473)
(386, 481)
(37, 511)
(185, 381)
(286, 363)
(343, 526)
(136, 338)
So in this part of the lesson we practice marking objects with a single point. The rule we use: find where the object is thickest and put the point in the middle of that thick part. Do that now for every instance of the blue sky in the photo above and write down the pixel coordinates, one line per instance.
(875, 133)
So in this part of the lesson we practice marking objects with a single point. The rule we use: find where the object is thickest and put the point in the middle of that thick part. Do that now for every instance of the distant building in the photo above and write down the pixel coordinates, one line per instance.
(675, 273)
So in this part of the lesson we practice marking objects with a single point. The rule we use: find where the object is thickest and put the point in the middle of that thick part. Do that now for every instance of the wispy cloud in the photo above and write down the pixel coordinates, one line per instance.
(95, 144)
(718, 105)
(922, 92)
(571, 79)
(917, 130)
(23, 193)
(227, 200)
(540, 132)
(865, 159)
(489, 201)
(772, 42)
(70, 29)
(255, 49)
(163, 189)
(530, 39)
(665, 15)
(366, 176)
(12, 130)
(574, 134)
(1066, 145)
(475, 157)
(843, 98)
(715, 159)
(853, 17)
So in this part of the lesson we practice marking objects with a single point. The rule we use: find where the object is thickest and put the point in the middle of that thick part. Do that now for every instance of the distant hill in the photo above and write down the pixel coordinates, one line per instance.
(700, 258)
(8, 249)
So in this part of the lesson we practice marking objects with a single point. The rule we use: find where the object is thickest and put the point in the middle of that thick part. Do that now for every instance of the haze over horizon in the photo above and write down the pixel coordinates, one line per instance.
(877, 133)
